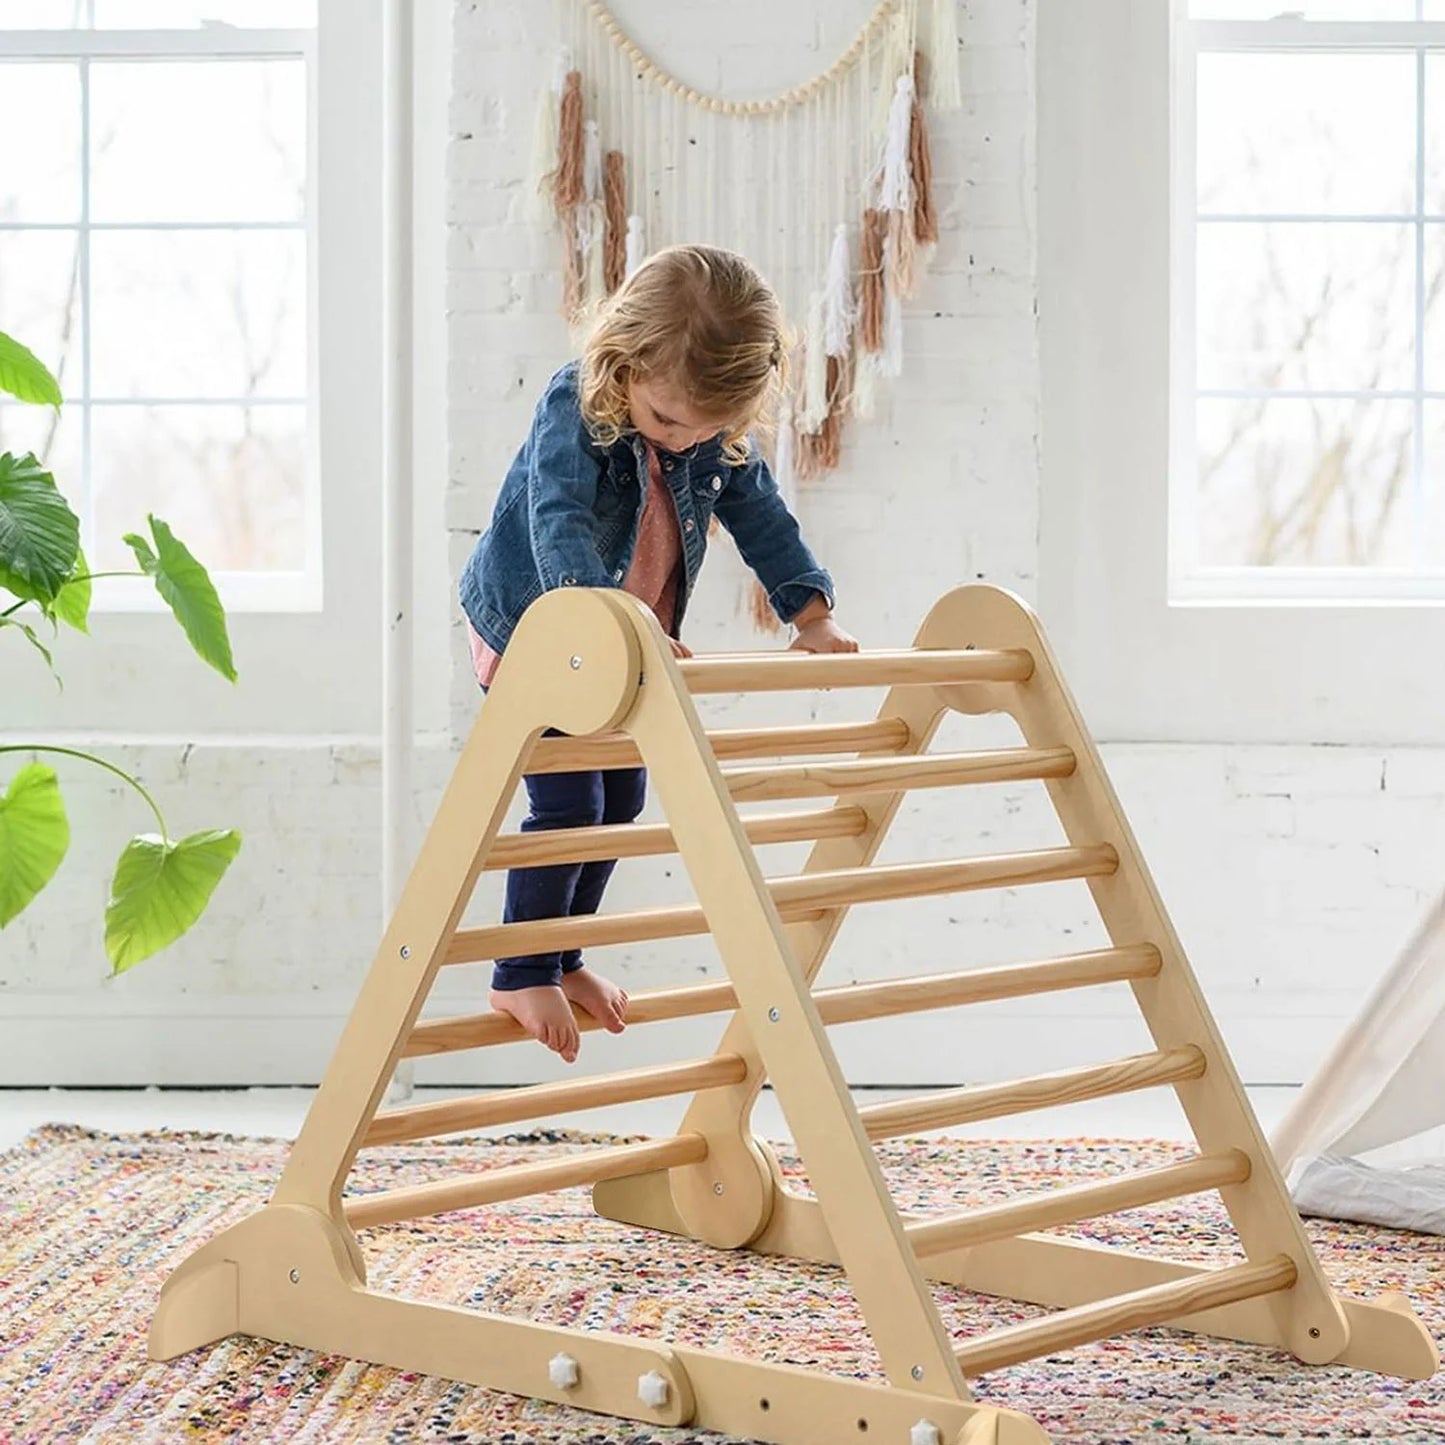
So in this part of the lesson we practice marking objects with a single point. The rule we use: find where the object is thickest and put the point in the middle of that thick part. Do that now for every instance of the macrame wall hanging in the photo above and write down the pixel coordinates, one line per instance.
(827, 188)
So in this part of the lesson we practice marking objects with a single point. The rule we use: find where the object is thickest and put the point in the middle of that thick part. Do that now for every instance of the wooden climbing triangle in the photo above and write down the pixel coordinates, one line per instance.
(596, 666)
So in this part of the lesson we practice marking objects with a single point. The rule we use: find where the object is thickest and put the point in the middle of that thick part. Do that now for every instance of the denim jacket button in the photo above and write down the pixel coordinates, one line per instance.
(689, 524)
(617, 575)
(717, 484)
(667, 465)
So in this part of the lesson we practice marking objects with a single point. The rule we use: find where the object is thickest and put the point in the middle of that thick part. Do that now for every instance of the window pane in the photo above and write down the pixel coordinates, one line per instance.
(169, 14)
(1304, 483)
(231, 481)
(40, 155)
(1435, 129)
(40, 302)
(1303, 9)
(198, 313)
(54, 438)
(205, 140)
(1311, 132)
(1306, 306)
(1433, 523)
(43, 14)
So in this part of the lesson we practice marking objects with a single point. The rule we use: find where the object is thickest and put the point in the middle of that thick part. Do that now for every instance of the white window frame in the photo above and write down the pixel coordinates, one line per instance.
(1117, 371)
(307, 652)
(239, 591)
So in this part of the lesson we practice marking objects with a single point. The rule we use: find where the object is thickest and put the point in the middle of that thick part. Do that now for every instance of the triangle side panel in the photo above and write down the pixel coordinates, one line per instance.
(1172, 1003)
(777, 1005)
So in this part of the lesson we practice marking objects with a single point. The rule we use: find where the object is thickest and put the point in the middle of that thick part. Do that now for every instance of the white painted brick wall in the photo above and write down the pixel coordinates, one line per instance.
(1294, 873)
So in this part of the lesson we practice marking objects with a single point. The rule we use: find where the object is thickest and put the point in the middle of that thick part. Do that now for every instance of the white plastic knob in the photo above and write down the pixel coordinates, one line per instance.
(925, 1432)
(564, 1372)
(652, 1390)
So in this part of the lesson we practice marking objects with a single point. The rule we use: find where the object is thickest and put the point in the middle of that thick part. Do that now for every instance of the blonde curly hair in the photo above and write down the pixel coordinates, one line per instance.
(700, 318)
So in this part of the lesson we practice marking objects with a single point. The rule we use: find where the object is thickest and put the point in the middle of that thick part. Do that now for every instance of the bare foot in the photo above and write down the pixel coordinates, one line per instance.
(597, 996)
(545, 1014)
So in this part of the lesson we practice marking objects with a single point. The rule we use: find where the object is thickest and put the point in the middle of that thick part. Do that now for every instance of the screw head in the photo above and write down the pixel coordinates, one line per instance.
(576, 663)
(1314, 1332)
(773, 1015)
(717, 1188)
(295, 1276)
(653, 1389)
(564, 1372)
(406, 950)
(917, 1372)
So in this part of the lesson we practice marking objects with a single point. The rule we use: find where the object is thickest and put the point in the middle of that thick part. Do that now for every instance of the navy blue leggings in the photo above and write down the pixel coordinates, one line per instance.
(565, 890)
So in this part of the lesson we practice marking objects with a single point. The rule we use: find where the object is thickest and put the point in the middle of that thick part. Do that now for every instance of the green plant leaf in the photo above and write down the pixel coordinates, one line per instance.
(39, 534)
(188, 591)
(72, 602)
(34, 835)
(23, 374)
(33, 638)
(160, 889)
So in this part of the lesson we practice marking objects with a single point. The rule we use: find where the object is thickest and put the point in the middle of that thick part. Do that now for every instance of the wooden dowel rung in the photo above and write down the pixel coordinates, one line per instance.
(612, 750)
(520, 1180)
(852, 1003)
(478, 1031)
(1083, 1201)
(775, 671)
(849, 1003)
(451, 1116)
(867, 775)
(799, 899)
(1043, 1091)
(1156, 1305)
(633, 840)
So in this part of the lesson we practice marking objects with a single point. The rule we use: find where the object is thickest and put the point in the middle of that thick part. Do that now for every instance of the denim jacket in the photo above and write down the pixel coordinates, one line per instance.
(569, 510)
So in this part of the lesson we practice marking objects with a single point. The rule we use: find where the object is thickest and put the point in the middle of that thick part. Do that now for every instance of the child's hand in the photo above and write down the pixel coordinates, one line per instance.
(680, 649)
(823, 635)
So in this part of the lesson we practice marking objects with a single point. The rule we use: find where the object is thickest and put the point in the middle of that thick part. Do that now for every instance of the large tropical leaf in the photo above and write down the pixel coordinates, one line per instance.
(34, 835)
(39, 534)
(72, 602)
(187, 589)
(160, 889)
(23, 374)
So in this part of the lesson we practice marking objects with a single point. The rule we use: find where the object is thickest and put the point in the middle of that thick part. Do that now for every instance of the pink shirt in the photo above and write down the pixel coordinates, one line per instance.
(652, 577)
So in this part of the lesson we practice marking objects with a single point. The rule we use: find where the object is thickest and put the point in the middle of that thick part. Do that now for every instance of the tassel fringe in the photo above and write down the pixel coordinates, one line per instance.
(614, 204)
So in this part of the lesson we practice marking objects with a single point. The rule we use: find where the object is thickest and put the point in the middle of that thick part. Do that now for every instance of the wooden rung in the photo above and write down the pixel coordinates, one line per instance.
(520, 1180)
(1137, 1310)
(849, 1003)
(1083, 1201)
(451, 1116)
(613, 750)
(779, 671)
(633, 840)
(801, 898)
(869, 775)
(1042, 1091)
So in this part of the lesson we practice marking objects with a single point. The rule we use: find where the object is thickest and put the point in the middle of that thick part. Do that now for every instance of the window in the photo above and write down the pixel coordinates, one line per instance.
(1189, 602)
(154, 252)
(1310, 460)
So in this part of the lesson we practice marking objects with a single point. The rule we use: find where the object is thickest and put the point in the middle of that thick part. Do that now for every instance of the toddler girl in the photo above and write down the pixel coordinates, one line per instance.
(632, 451)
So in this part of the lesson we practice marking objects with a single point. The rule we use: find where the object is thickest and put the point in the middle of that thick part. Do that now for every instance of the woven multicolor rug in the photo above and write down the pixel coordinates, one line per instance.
(90, 1224)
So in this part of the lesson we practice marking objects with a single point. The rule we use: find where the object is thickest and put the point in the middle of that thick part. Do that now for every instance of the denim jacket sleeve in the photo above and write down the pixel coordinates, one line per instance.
(562, 474)
(767, 534)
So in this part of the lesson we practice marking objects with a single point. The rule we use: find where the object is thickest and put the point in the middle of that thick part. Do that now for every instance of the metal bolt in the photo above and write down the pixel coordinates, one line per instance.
(773, 1015)
(717, 1188)
(1314, 1333)
(406, 950)
(576, 663)
(295, 1276)
(564, 1372)
(653, 1389)
(917, 1372)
